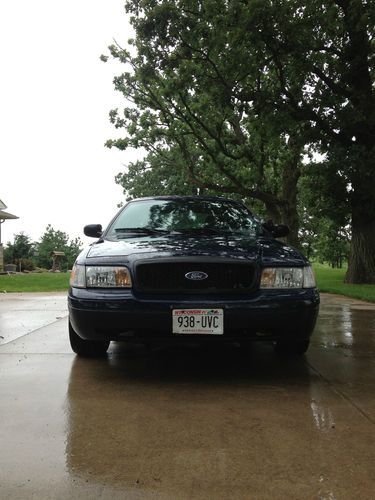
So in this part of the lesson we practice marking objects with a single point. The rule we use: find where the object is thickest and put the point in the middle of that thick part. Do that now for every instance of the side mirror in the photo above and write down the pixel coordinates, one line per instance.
(280, 231)
(93, 230)
(277, 231)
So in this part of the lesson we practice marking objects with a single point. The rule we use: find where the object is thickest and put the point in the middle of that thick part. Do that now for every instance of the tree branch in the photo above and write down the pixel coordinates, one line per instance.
(331, 84)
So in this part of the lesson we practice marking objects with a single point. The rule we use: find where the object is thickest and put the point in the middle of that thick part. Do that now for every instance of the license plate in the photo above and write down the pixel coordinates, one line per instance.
(198, 321)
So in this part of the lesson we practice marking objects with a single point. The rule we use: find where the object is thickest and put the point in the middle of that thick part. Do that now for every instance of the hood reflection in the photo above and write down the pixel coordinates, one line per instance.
(270, 251)
(178, 245)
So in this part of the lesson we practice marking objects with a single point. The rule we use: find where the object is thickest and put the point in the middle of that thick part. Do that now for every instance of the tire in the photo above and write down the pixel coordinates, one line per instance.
(87, 348)
(292, 348)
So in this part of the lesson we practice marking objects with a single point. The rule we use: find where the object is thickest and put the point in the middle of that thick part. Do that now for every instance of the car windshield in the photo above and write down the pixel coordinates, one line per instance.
(186, 216)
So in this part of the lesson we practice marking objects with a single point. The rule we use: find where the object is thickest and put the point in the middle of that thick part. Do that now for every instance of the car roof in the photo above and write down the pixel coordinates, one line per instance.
(187, 198)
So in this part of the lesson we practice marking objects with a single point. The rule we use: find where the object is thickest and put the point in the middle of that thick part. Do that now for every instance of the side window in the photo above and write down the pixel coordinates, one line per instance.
(133, 215)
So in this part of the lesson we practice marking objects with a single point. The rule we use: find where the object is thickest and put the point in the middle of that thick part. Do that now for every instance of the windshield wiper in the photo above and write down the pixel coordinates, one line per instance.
(204, 230)
(140, 230)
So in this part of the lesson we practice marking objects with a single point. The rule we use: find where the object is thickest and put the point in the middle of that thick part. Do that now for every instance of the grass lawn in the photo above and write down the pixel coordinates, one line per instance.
(38, 282)
(332, 281)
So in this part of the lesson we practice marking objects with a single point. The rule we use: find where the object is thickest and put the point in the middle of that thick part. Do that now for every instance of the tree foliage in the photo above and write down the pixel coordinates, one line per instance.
(227, 95)
(56, 240)
(29, 254)
(195, 110)
(325, 219)
(21, 248)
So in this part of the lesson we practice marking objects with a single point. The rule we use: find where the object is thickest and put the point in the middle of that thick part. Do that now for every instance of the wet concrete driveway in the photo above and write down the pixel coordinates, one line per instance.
(191, 423)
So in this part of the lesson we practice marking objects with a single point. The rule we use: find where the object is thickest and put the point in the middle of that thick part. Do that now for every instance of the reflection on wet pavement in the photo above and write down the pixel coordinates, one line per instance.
(348, 324)
(192, 422)
(322, 414)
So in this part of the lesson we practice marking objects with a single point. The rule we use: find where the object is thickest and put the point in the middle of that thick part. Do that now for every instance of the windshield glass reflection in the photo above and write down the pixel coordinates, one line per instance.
(184, 216)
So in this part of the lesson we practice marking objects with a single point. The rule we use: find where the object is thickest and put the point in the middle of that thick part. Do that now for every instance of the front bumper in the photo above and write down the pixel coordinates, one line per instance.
(122, 315)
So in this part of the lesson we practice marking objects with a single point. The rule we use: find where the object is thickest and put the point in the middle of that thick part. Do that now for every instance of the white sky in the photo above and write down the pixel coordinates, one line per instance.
(55, 96)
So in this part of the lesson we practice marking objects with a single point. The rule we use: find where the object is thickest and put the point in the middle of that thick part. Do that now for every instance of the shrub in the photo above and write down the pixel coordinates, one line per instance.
(25, 264)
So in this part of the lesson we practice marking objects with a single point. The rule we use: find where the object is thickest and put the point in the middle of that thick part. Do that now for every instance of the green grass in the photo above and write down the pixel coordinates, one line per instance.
(328, 280)
(332, 281)
(34, 282)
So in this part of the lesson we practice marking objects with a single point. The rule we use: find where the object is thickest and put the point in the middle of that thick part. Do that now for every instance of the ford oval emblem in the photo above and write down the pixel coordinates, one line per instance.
(196, 275)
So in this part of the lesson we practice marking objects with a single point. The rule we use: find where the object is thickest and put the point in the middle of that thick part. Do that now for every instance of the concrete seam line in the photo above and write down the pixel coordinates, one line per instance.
(342, 394)
(36, 330)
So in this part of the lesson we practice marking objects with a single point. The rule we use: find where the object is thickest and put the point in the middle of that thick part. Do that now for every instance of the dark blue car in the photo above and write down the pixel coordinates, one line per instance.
(173, 268)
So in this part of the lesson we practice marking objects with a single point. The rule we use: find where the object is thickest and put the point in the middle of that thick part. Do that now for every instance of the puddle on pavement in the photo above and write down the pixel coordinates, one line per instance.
(346, 324)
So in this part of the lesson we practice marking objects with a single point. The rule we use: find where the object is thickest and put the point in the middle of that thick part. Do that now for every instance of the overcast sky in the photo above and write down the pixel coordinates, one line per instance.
(55, 95)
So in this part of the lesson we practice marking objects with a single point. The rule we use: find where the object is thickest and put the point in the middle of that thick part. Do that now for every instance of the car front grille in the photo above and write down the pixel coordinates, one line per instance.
(170, 277)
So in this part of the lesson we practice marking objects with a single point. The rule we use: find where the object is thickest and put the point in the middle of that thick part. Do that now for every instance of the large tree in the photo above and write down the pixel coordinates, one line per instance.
(235, 90)
(328, 46)
(197, 111)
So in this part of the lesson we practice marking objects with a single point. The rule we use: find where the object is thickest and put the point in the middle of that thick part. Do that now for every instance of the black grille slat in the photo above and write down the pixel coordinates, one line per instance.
(170, 276)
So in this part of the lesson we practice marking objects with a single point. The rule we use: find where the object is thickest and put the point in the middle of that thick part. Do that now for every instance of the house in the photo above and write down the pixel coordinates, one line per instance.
(3, 216)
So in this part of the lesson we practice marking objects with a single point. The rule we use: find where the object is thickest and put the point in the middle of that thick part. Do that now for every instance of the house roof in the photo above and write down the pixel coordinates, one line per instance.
(6, 215)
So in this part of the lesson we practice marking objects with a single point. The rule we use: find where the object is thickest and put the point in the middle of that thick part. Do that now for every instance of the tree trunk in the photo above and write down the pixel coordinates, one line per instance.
(290, 176)
(290, 218)
(361, 268)
(273, 212)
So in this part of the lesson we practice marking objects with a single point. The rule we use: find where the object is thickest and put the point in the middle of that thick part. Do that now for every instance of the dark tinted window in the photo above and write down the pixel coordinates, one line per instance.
(184, 216)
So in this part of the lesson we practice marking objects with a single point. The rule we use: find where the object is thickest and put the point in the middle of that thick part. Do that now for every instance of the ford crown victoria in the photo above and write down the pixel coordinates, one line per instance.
(173, 268)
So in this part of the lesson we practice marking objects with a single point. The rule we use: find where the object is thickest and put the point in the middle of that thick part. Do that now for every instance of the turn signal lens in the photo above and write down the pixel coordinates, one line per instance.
(308, 277)
(78, 276)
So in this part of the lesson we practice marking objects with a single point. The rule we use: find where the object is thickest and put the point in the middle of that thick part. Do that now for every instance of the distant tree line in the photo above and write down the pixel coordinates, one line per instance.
(268, 101)
(29, 255)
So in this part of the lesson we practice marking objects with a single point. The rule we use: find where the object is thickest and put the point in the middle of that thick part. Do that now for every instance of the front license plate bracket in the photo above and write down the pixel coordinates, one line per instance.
(198, 321)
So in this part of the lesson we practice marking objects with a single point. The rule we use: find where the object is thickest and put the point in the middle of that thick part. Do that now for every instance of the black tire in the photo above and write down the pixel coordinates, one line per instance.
(292, 348)
(87, 348)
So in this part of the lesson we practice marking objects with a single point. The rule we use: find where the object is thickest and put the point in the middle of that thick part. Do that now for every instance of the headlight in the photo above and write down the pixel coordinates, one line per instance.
(287, 277)
(100, 277)
(108, 277)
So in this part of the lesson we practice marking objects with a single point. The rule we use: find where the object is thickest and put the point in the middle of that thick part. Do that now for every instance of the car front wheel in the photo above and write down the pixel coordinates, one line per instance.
(87, 348)
(292, 348)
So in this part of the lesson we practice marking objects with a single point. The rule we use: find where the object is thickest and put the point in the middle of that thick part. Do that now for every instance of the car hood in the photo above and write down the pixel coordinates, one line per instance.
(266, 251)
